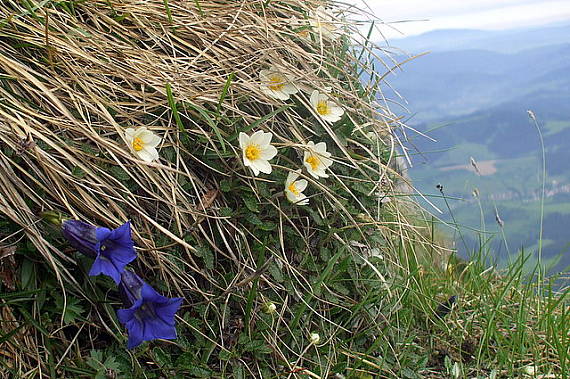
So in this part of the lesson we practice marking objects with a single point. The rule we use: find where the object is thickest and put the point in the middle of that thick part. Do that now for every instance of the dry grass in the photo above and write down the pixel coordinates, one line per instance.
(75, 75)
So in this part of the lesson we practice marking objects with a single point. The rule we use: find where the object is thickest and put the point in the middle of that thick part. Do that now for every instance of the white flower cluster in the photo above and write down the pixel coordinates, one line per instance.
(256, 148)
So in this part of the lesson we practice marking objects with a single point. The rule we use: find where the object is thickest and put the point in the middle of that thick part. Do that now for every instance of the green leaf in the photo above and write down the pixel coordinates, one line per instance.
(226, 212)
(268, 226)
(225, 91)
(206, 254)
(251, 204)
(225, 355)
(170, 96)
(206, 116)
(28, 275)
(225, 185)
(77, 172)
(253, 219)
(72, 309)
(161, 357)
(119, 173)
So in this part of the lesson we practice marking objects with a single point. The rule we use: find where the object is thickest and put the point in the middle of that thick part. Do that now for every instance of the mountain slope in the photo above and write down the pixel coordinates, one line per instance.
(453, 83)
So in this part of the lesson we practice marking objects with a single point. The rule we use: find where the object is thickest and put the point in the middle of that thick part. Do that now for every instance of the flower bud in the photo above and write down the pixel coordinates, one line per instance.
(314, 338)
(269, 308)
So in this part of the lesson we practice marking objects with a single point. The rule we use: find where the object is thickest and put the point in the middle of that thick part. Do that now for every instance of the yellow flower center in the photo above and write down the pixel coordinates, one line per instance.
(252, 152)
(293, 188)
(313, 161)
(323, 108)
(276, 83)
(138, 144)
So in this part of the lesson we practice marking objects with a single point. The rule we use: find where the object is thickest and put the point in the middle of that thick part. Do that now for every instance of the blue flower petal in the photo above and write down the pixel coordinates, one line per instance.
(149, 294)
(102, 233)
(116, 249)
(136, 333)
(81, 235)
(102, 265)
(150, 315)
(122, 235)
(158, 329)
(125, 315)
(168, 310)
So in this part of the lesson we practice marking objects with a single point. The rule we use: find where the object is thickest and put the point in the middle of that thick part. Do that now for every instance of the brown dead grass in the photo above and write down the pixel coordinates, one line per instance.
(73, 80)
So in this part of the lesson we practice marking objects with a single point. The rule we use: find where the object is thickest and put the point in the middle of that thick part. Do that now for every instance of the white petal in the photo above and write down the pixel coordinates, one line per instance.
(264, 140)
(129, 133)
(263, 75)
(315, 98)
(301, 185)
(324, 97)
(279, 95)
(243, 140)
(155, 141)
(256, 137)
(254, 169)
(310, 171)
(147, 154)
(326, 163)
(269, 153)
(320, 147)
(290, 89)
(302, 200)
(262, 166)
(293, 175)
(290, 196)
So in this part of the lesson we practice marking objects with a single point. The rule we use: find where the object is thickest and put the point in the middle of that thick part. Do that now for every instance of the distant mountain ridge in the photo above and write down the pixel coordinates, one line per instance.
(452, 83)
(505, 41)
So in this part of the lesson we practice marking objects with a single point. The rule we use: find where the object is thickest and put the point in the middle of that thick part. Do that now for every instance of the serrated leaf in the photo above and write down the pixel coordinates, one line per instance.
(119, 173)
(161, 357)
(275, 272)
(77, 172)
(225, 355)
(251, 204)
(226, 212)
(225, 185)
(207, 256)
(253, 219)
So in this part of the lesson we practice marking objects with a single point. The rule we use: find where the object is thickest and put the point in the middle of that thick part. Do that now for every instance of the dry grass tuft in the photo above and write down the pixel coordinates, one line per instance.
(75, 75)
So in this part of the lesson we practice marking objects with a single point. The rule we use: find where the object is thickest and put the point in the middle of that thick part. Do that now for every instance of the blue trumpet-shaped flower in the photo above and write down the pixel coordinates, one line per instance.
(112, 249)
(150, 315)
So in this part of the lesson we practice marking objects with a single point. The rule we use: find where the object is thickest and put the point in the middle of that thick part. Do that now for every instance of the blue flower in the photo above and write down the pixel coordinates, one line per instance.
(150, 315)
(112, 249)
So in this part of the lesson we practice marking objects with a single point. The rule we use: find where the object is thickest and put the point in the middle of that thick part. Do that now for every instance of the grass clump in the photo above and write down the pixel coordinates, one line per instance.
(260, 275)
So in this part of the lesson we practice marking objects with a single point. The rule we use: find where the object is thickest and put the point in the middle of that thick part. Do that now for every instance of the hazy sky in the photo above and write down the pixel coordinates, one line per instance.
(467, 14)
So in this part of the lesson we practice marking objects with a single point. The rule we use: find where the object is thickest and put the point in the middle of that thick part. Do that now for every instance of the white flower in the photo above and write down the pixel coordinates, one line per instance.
(325, 108)
(316, 159)
(324, 21)
(294, 189)
(257, 151)
(314, 338)
(143, 143)
(276, 84)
